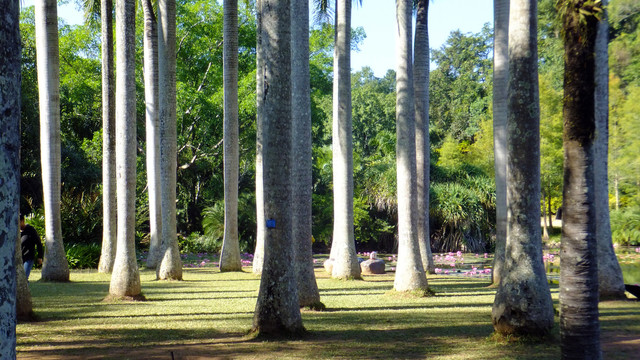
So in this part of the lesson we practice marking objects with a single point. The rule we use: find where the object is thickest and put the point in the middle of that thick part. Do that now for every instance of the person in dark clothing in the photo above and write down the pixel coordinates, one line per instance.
(30, 241)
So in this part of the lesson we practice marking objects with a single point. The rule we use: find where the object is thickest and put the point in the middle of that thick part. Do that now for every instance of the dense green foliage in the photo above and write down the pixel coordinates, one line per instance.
(462, 194)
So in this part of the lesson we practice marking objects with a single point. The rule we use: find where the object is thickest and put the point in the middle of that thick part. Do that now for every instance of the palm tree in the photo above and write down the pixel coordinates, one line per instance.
(150, 42)
(258, 255)
(109, 218)
(55, 266)
(523, 302)
(421, 93)
(10, 169)
(500, 96)
(409, 271)
(125, 278)
(579, 325)
(308, 293)
(277, 309)
(610, 281)
(343, 247)
(230, 254)
(170, 265)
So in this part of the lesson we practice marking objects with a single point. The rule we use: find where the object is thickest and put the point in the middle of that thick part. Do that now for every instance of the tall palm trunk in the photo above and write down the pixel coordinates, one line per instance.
(423, 155)
(409, 271)
(109, 214)
(308, 293)
(258, 255)
(523, 302)
(10, 79)
(277, 309)
(500, 110)
(230, 254)
(170, 266)
(579, 325)
(55, 266)
(125, 279)
(152, 130)
(610, 281)
(343, 247)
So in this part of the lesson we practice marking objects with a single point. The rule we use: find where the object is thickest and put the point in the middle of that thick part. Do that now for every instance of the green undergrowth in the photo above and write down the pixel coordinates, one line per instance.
(209, 314)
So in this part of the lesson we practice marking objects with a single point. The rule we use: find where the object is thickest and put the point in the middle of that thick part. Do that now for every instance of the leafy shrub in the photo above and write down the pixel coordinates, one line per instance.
(213, 226)
(625, 226)
(83, 256)
(81, 215)
(198, 243)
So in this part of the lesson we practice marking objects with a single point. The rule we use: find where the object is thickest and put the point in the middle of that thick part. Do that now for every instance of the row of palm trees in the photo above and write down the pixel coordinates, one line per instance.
(523, 303)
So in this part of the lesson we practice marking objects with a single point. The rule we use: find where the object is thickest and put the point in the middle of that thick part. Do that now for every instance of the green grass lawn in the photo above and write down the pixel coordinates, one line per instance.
(209, 314)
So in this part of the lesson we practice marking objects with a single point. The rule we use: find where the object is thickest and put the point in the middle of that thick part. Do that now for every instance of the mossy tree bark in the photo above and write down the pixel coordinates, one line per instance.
(579, 324)
(277, 309)
(10, 78)
(523, 302)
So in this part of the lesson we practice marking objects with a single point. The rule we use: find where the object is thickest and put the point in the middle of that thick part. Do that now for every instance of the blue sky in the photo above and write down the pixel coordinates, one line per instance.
(377, 17)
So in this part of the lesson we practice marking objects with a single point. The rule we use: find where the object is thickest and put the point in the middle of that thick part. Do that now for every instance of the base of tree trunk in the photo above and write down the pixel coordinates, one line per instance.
(127, 298)
(421, 293)
(316, 306)
(27, 317)
(277, 334)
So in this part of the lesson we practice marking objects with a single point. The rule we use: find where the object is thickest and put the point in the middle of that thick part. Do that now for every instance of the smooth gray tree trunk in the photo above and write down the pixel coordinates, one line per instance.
(610, 280)
(423, 153)
(523, 302)
(579, 324)
(10, 169)
(230, 253)
(277, 309)
(150, 42)
(258, 255)
(410, 274)
(308, 293)
(125, 278)
(343, 247)
(170, 265)
(109, 214)
(55, 267)
(500, 110)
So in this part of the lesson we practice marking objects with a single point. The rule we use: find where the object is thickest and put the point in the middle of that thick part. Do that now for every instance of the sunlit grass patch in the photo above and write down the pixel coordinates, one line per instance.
(210, 313)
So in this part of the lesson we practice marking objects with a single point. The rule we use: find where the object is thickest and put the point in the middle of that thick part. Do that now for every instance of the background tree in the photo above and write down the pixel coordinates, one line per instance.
(258, 255)
(170, 266)
(230, 253)
(150, 43)
(409, 271)
(109, 217)
(277, 309)
(343, 247)
(500, 97)
(579, 324)
(610, 281)
(308, 293)
(10, 169)
(423, 149)
(55, 267)
(125, 278)
(523, 302)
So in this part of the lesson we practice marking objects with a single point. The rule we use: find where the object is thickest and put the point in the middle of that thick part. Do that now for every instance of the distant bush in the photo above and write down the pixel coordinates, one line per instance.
(83, 256)
(625, 226)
